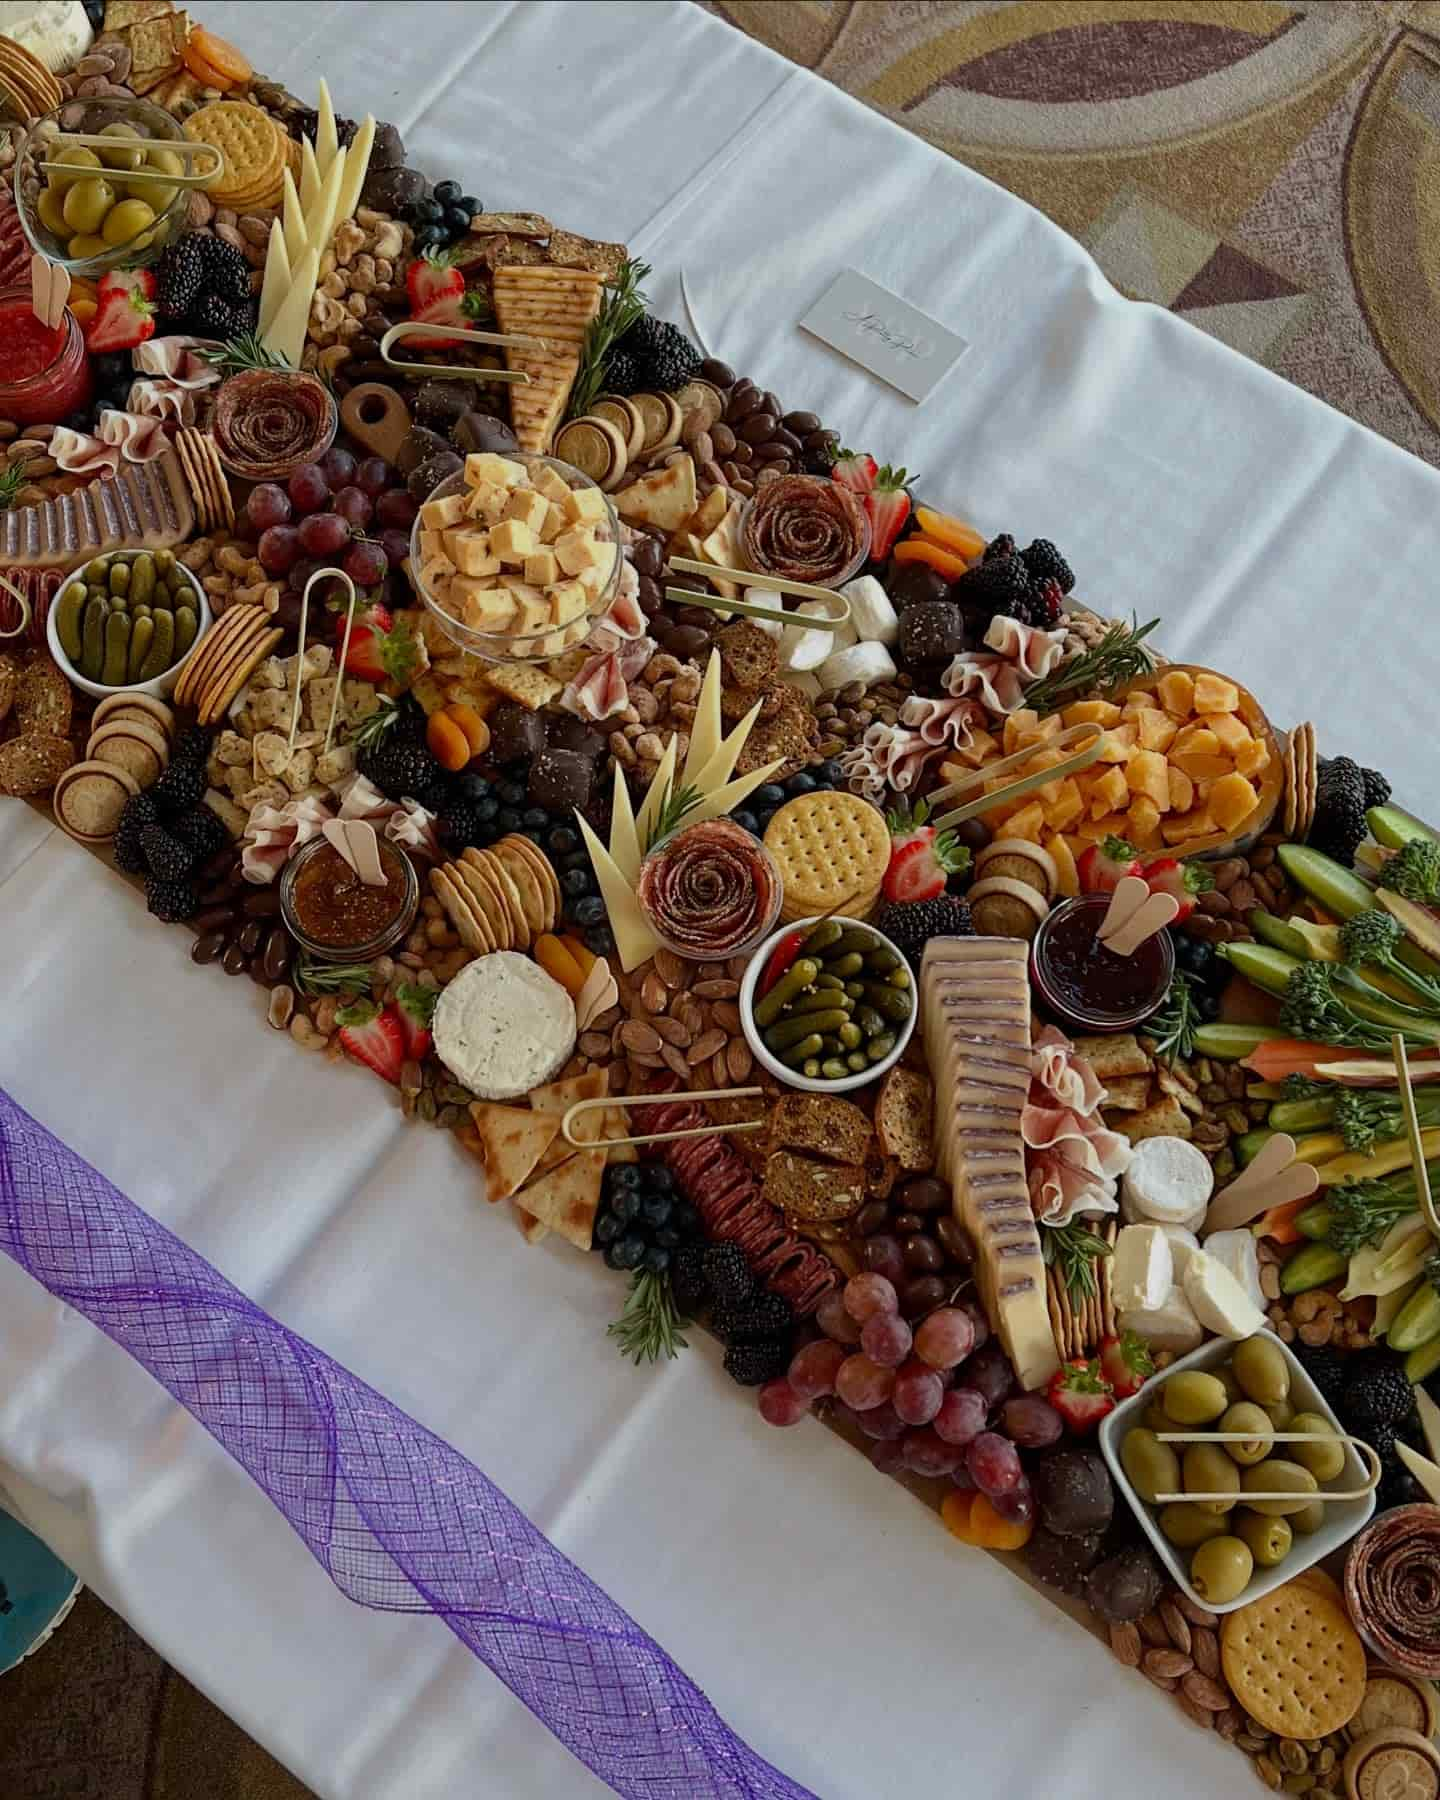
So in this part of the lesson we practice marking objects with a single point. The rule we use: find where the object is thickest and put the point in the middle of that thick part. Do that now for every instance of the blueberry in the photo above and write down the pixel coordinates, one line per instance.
(561, 841)
(457, 220)
(469, 205)
(447, 192)
(535, 818)
(770, 795)
(832, 771)
(625, 1204)
(655, 1209)
(746, 821)
(762, 822)
(512, 793)
(623, 1176)
(631, 1250)
(577, 859)
(575, 882)
(658, 1179)
(657, 1259)
(507, 819)
(607, 1228)
(486, 810)
(472, 787)
(599, 940)
(803, 782)
(430, 212)
(426, 237)
(1208, 1007)
(612, 1256)
(533, 835)
(589, 911)
(686, 1221)
(667, 1237)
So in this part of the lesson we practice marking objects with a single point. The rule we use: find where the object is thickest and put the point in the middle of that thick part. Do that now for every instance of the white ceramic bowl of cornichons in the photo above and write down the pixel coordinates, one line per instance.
(1289, 1524)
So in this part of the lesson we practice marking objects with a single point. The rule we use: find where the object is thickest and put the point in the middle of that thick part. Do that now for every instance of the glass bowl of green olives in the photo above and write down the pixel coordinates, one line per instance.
(827, 1004)
(124, 622)
(100, 217)
(1226, 1552)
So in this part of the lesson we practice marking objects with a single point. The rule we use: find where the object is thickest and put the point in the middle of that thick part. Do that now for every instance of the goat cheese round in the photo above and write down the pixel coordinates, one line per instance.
(1168, 1181)
(503, 1026)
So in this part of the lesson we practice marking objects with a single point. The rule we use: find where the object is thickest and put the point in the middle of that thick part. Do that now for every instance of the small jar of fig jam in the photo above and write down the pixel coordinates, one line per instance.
(1087, 985)
(336, 917)
(44, 371)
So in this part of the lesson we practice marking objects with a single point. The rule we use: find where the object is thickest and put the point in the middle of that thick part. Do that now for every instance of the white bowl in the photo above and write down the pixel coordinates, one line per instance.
(1342, 1520)
(768, 1060)
(160, 685)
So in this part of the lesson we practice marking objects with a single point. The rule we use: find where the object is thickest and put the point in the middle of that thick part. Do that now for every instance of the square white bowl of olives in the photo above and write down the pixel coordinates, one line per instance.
(1338, 1520)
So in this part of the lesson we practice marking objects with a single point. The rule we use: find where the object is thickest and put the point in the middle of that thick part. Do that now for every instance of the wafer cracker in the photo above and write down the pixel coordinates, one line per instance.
(490, 920)
(482, 887)
(459, 912)
(233, 675)
(549, 880)
(237, 626)
(527, 884)
(829, 848)
(1294, 1662)
(504, 884)
(33, 89)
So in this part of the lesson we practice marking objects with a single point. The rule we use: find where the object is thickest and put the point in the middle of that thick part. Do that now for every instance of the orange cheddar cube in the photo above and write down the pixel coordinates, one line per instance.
(1176, 692)
(1144, 828)
(1196, 737)
(1156, 729)
(1018, 726)
(1120, 743)
(1091, 712)
(1140, 697)
(1146, 773)
(1182, 790)
(1252, 758)
(1028, 822)
(1200, 767)
(1213, 694)
(1229, 731)
(1067, 880)
(1067, 805)
(1109, 793)
(1231, 801)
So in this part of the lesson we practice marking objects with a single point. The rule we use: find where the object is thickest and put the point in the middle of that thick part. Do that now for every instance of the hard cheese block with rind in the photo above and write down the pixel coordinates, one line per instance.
(975, 1008)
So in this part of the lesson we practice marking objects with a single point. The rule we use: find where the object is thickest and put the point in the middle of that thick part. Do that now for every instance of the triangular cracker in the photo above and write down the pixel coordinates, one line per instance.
(568, 1198)
(539, 410)
(512, 1139)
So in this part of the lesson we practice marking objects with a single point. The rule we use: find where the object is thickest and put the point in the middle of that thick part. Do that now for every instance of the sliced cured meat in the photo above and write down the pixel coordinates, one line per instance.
(710, 891)
(801, 528)
(1392, 1588)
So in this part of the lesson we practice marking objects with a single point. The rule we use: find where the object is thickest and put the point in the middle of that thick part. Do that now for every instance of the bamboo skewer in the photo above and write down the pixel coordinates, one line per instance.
(418, 328)
(749, 609)
(1323, 1495)
(1015, 790)
(658, 1137)
(321, 575)
(1412, 1132)
(22, 602)
(185, 148)
(773, 584)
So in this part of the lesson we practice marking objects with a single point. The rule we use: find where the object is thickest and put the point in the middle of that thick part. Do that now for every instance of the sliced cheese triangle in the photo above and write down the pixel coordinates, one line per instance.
(727, 798)
(624, 839)
(310, 180)
(721, 765)
(634, 940)
(649, 813)
(705, 730)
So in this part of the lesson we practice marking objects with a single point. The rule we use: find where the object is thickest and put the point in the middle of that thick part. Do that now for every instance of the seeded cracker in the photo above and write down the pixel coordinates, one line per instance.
(32, 764)
(43, 699)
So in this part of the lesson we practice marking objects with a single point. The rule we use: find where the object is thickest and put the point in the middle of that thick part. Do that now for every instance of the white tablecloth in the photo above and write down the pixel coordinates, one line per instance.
(830, 1618)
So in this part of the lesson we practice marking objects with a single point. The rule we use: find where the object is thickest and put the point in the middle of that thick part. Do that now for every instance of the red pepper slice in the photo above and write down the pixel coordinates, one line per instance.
(781, 958)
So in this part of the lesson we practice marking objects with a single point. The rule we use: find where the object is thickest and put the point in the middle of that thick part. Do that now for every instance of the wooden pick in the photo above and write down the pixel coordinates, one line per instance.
(976, 778)
(356, 841)
(658, 1137)
(320, 575)
(1275, 1178)
(774, 584)
(1412, 1132)
(417, 328)
(22, 602)
(1366, 1452)
(1130, 895)
(750, 609)
(1150, 916)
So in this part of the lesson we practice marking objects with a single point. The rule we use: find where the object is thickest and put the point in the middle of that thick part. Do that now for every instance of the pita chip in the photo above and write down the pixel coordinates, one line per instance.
(512, 1139)
(568, 1198)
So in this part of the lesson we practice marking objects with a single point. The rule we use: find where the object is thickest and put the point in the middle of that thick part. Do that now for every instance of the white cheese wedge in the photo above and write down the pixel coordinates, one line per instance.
(292, 217)
(357, 166)
(327, 138)
(286, 336)
(774, 628)
(1421, 1467)
(1237, 1251)
(1218, 1300)
(705, 728)
(1170, 1326)
(871, 663)
(310, 179)
(871, 613)
(1182, 1242)
(277, 276)
(1168, 1181)
(1142, 1269)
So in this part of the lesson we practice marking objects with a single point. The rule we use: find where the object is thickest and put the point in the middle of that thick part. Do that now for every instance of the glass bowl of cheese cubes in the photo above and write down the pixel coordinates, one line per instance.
(516, 556)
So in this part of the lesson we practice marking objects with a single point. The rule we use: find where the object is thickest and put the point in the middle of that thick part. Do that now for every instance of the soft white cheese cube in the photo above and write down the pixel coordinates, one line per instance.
(871, 612)
(1170, 1326)
(1236, 1250)
(1182, 1242)
(1143, 1269)
(1218, 1300)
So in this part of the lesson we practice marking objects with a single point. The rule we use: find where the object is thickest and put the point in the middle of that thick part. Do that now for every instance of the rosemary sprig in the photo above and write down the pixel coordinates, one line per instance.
(245, 352)
(12, 479)
(332, 978)
(671, 815)
(1174, 1022)
(649, 1326)
(376, 725)
(621, 304)
(1074, 1249)
(1120, 655)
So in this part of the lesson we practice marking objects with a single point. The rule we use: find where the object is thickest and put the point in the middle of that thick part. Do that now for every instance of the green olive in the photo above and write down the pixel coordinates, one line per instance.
(1261, 1369)
(125, 220)
(1269, 1539)
(1277, 1476)
(1325, 1458)
(1155, 1417)
(87, 203)
(1246, 1416)
(1309, 1518)
(1208, 1470)
(1220, 1571)
(1225, 1375)
(74, 157)
(1194, 1398)
(51, 207)
(1281, 1413)
(1185, 1525)
(122, 156)
(1153, 1467)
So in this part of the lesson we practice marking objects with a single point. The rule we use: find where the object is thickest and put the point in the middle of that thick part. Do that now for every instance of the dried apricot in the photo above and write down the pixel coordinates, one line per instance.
(992, 1532)
(447, 742)
(946, 529)
(585, 959)
(477, 732)
(955, 1511)
(230, 64)
(922, 549)
(557, 962)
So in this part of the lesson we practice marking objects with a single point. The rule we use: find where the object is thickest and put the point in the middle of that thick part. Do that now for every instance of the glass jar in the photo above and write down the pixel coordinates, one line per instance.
(294, 906)
(1089, 986)
(44, 373)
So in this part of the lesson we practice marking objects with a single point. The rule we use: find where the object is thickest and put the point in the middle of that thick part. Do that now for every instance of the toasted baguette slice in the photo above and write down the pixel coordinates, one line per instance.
(823, 1124)
(904, 1119)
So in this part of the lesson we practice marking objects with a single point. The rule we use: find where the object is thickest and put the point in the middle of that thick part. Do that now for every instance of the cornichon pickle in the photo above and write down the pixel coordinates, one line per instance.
(140, 612)
(821, 937)
(187, 622)
(96, 571)
(830, 981)
(68, 611)
(806, 1050)
(787, 1032)
(117, 649)
(830, 1044)
(162, 647)
(92, 649)
(882, 961)
(845, 966)
(141, 634)
(855, 989)
(869, 1021)
(853, 938)
(822, 1000)
(118, 580)
(164, 561)
(142, 579)
(857, 1062)
(889, 1002)
(794, 981)
(899, 978)
(810, 1068)
(879, 1048)
(833, 1069)
(851, 1036)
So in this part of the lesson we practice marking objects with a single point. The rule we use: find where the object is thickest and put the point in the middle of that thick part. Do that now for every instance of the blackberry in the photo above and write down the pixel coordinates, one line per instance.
(1377, 788)
(166, 856)
(1398, 1487)
(665, 357)
(1339, 827)
(1046, 603)
(180, 788)
(1378, 1394)
(687, 1279)
(728, 1274)
(911, 927)
(403, 770)
(129, 851)
(754, 1364)
(622, 373)
(1328, 1369)
(179, 276)
(192, 745)
(999, 585)
(1045, 563)
(1003, 545)
(766, 1317)
(460, 826)
(226, 271)
(202, 831)
(171, 901)
(140, 811)
(214, 316)
(307, 122)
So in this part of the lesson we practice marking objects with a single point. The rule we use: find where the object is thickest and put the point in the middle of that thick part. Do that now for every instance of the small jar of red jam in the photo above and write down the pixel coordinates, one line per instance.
(44, 372)
(1088, 985)
(333, 915)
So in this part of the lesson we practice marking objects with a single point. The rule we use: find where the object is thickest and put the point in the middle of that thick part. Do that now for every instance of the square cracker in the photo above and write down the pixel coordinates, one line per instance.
(522, 683)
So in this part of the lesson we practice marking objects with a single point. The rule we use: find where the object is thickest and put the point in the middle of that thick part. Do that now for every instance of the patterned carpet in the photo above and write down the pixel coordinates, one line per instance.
(1268, 171)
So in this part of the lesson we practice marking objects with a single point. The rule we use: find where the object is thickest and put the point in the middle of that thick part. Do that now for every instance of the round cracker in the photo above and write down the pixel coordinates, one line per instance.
(510, 894)
(130, 745)
(122, 706)
(1294, 1662)
(193, 463)
(211, 648)
(458, 911)
(527, 884)
(549, 880)
(89, 799)
(482, 887)
(233, 676)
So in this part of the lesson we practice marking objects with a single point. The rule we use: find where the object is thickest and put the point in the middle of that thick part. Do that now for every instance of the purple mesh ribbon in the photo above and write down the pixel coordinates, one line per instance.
(396, 1517)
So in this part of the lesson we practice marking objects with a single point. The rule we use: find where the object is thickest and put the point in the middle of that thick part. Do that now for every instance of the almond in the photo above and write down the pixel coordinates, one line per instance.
(672, 1030)
(675, 1060)
(654, 994)
(1194, 1712)
(1153, 1631)
(1176, 1624)
(719, 1071)
(717, 987)
(596, 1045)
(1193, 1610)
(1170, 1665)
(639, 1038)
(706, 1045)
(738, 1060)
(1125, 1642)
(671, 968)
(726, 1015)
(1204, 1692)
(1205, 1648)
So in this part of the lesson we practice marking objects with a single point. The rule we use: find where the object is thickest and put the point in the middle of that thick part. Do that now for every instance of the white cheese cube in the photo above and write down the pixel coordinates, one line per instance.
(871, 613)
(1170, 1326)
(1143, 1269)
(1236, 1251)
(1218, 1300)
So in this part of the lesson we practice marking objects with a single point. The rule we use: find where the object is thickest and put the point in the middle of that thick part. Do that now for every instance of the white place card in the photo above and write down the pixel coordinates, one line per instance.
(884, 334)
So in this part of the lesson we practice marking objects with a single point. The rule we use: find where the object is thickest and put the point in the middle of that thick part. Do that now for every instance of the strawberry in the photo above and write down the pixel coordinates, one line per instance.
(1125, 1363)
(416, 1008)
(378, 651)
(1186, 881)
(125, 313)
(438, 297)
(374, 1036)
(921, 859)
(1081, 1395)
(855, 469)
(1105, 865)
(888, 505)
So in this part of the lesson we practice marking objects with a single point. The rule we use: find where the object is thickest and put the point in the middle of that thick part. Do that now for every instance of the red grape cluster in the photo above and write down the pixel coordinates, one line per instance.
(936, 1398)
(321, 517)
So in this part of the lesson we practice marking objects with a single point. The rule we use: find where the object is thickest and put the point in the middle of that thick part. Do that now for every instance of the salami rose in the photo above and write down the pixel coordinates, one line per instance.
(710, 891)
(267, 422)
(804, 529)
(1392, 1588)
